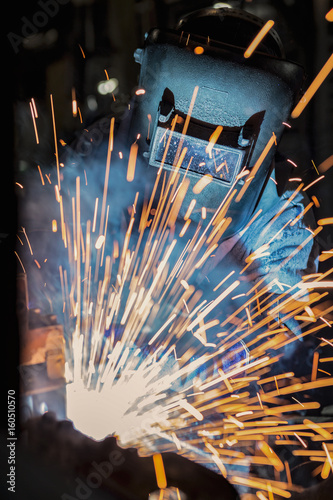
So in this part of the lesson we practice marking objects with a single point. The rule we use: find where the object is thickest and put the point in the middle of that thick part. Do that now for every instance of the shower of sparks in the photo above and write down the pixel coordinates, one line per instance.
(141, 354)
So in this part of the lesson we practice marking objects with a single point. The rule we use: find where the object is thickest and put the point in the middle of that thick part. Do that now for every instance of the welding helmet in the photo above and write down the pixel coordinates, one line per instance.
(196, 76)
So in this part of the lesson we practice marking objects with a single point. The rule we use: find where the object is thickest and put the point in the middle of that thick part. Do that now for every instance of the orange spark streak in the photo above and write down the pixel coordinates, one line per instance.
(99, 242)
(62, 222)
(78, 247)
(223, 281)
(314, 182)
(185, 227)
(41, 175)
(107, 172)
(329, 458)
(34, 107)
(132, 162)
(152, 340)
(83, 54)
(303, 443)
(95, 216)
(256, 167)
(26, 237)
(17, 255)
(34, 122)
(186, 124)
(213, 138)
(323, 73)
(329, 16)
(258, 484)
(323, 222)
(202, 183)
(54, 226)
(178, 165)
(258, 38)
(316, 427)
(159, 471)
(273, 458)
(199, 50)
(304, 211)
(314, 366)
(189, 210)
(55, 140)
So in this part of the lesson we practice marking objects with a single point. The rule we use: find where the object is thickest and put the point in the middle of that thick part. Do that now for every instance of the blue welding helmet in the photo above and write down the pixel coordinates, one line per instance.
(247, 98)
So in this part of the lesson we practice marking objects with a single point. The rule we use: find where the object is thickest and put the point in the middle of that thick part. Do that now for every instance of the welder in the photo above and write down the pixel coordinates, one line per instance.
(215, 113)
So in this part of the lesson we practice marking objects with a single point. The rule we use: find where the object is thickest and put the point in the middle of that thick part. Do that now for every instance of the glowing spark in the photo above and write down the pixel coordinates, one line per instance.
(324, 222)
(314, 366)
(199, 50)
(159, 471)
(304, 211)
(213, 138)
(220, 465)
(206, 255)
(185, 227)
(74, 103)
(260, 495)
(140, 92)
(252, 483)
(292, 162)
(115, 249)
(202, 183)
(55, 140)
(132, 162)
(203, 213)
(303, 443)
(83, 54)
(54, 226)
(99, 242)
(34, 107)
(56, 192)
(193, 411)
(19, 185)
(152, 340)
(258, 38)
(41, 175)
(259, 399)
(326, 164)
(314, 182)
(17, 255)
(329, 458)
(329, 16)
(184, 284)
(190, 208)
(33, 114)
(316, 427)
(26, 237)
(271, 455)
(257, 165)
(107, 172)
(323, 73)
